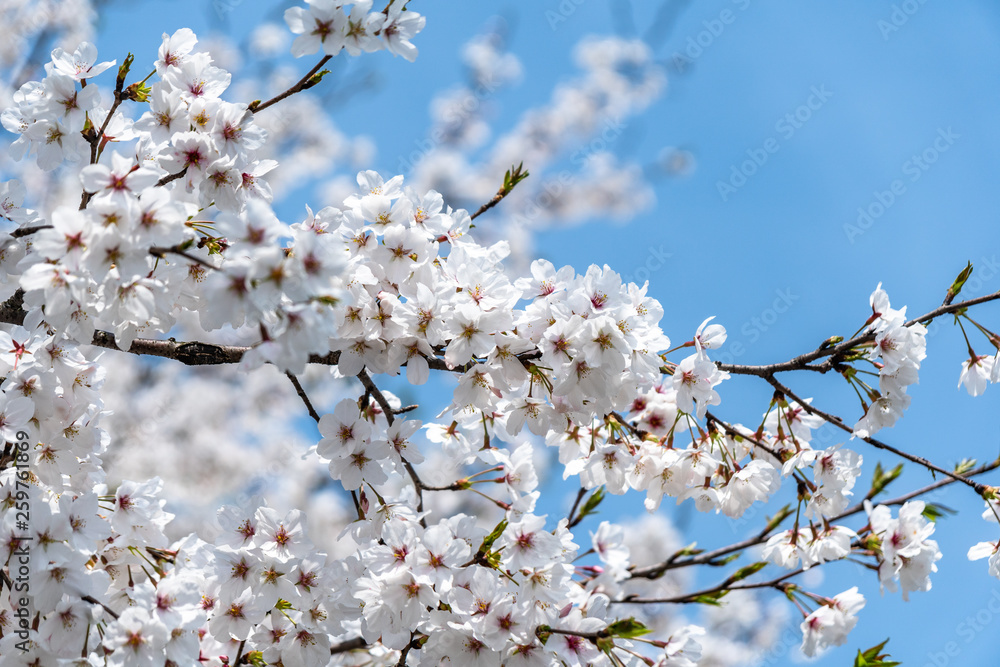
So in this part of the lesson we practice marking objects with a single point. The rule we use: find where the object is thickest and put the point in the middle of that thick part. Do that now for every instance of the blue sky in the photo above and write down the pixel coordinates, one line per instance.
(841, 109)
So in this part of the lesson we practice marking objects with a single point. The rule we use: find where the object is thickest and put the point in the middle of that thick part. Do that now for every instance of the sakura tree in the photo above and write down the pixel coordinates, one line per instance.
(425, 542)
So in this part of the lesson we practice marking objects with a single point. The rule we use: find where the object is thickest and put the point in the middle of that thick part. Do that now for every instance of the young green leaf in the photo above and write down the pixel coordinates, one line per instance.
(747, 571)
(882, 479)
(873, 657)
(590, 506)
(933, 511)
(956, 286)
(627, 628)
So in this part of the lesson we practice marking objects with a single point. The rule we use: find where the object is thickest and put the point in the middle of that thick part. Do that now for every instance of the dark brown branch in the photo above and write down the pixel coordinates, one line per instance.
(302, 394)
(736, 434)
(171, 177)
(302, 84)
(690, 597)
(497, 198)
(349, 645)
(837, 352)
(383, 402)
(25, 231)
(157, 251)
(93, 600)
(654, 571)
(376, 393)
(833, 419)
(571, 520)
(197, 353)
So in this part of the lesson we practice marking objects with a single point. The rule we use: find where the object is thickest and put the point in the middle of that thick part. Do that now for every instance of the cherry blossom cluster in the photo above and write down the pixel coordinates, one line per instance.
(175, 225)
(70, 538)
(327, 25)
(897, 352)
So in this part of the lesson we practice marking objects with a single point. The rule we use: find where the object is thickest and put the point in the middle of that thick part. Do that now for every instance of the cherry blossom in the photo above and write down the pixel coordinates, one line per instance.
(425, 538)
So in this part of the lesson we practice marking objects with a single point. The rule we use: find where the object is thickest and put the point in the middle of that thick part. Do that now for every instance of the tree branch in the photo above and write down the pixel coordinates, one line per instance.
(303, 84)
(302, 394)
(833, 419)
(837, 352)
(672, 563)
(380, 398)
(690, 597)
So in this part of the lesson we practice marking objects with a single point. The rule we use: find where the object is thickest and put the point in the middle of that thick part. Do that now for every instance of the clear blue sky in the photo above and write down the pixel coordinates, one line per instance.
(873, 84)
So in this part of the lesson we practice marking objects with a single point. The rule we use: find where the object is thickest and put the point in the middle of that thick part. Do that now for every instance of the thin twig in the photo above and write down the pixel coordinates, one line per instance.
(832, 419)
(171, 177)
(733, 432)
(576, 503)
(836, 352)
(157, 251)
(302, 84)
(92, 600)
(349, 645)
(376, 393)
(302, 394)
(513, 176)
(690, 597)
(25, 231)
(654, 571)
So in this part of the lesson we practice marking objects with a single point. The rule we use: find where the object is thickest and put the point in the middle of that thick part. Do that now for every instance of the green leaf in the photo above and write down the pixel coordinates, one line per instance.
(488, 541)
(513, 176)
(315, 78)
(710, 598)
(956, 286)
(590, 507)
(933, 511)
(123, 70)
(255, 658)
(747, 571)
(873, 657)
(627, 629)
(964, 466)
(831, 341)
(689, 550)
(724, 561)
(882, 479)
(138, 92)
(775, 521)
